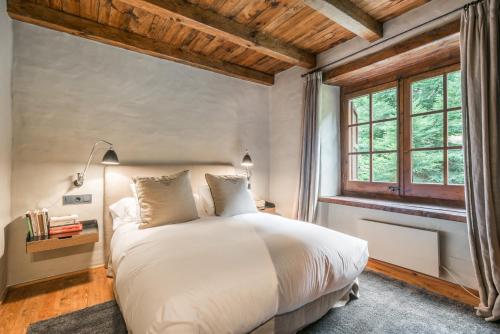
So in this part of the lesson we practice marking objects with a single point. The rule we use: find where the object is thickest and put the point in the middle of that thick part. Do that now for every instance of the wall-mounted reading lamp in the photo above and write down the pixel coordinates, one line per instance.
(109, 158)
(247, 163)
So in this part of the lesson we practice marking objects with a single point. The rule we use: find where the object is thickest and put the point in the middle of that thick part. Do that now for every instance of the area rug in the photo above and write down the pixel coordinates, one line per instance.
(385, 306)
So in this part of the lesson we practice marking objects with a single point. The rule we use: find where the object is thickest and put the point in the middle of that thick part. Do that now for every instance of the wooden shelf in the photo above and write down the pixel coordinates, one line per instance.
(89, 234)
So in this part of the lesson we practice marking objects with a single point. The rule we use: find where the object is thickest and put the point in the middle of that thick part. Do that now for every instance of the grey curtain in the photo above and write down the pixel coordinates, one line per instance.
(309, 157)
(479, 43)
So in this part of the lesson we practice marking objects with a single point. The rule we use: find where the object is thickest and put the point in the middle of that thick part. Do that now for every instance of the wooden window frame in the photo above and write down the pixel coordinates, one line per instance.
(405, 191)
(361, 186)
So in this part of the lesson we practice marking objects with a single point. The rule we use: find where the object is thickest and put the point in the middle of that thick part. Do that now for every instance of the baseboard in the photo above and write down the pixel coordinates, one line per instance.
(51, 278)
(426, 282)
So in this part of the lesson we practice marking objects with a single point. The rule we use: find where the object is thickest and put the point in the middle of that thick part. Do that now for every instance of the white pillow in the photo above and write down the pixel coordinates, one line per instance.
(206, 199)
(125, 211)
(199, 205)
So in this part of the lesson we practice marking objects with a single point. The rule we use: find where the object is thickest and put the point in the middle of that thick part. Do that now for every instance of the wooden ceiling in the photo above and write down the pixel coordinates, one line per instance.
(248, 39)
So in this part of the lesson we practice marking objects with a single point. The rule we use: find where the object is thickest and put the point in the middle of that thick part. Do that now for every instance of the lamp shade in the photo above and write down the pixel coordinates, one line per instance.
(110, 158)
(247, 161)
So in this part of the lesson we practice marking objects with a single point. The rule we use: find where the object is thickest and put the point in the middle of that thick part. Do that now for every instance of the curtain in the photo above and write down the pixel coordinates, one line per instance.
(479, 43)
(309, 157)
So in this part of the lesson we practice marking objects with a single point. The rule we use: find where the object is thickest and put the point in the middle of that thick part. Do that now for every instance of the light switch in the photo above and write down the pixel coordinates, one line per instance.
(77, 199)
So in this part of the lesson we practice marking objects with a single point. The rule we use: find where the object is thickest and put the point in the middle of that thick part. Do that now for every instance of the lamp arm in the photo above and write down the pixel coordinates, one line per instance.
(81, 176)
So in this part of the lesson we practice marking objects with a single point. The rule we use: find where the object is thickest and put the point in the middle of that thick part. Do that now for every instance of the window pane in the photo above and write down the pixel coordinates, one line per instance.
(427, 95)
(427, 167)
(360, 167)
(385, 104)
(455, 137)
(385, 136)
(360, 138)
(385, 167)
(427, 131)
(456, 167)
(360, 109)
(453, 86)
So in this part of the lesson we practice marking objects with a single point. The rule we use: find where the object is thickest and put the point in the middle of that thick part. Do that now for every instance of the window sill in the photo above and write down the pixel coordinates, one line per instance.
(430, 211)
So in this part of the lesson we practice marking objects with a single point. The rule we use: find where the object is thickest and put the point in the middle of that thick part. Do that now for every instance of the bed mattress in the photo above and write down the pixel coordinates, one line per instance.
(228, 274)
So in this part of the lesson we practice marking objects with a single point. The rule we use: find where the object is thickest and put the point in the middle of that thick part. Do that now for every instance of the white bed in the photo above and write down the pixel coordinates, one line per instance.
(256, 273)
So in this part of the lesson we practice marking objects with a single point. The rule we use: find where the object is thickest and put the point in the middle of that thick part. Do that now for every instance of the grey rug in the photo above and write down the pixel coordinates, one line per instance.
(385, 306)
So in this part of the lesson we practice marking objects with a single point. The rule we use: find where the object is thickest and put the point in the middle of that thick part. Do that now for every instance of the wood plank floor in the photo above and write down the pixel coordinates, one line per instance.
(27, 304)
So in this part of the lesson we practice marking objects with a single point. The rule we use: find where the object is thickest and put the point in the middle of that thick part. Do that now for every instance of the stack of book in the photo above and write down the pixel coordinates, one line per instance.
(260, 204)
(64, 224)
(37, 223)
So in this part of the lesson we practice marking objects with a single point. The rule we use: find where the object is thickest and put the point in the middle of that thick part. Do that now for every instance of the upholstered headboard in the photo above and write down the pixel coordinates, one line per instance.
(117, 181)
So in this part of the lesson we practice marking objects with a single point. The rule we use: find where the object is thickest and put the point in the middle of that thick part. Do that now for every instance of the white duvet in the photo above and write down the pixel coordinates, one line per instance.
(227, 275)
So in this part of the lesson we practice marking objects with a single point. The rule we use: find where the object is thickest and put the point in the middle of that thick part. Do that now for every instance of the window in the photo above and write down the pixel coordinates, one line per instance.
(404, 139)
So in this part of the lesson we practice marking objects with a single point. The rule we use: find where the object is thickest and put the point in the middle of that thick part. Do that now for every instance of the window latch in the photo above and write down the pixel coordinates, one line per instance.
(394, 188)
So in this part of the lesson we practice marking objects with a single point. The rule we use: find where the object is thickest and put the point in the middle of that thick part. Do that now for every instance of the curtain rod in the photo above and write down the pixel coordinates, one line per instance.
(318, 69)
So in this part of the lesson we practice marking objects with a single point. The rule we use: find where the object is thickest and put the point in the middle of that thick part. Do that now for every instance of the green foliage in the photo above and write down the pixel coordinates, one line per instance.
(427, 95)
(427, 132)
(385, 104)
(454, 89)
(456, 167)
(385, 167)
(360, 109)
(427, 166)
(455, 137)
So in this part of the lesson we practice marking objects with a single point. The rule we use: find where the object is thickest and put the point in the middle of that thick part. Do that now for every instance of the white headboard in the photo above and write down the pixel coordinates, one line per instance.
(117, 181)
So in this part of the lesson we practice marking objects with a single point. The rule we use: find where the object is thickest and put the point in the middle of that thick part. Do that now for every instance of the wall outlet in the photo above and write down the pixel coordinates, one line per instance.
(77, 199)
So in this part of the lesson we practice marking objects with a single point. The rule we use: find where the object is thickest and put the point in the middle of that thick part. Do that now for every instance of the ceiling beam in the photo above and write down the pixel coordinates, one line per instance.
(349, 16)
(56, 20)
(446, 35)
(215, 24)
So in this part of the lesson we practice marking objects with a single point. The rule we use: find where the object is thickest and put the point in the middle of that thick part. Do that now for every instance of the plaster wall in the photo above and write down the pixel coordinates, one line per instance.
(69, 92)
(5, 132)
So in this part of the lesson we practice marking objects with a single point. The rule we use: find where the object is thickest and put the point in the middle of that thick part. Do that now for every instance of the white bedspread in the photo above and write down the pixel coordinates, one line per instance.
(227, 275)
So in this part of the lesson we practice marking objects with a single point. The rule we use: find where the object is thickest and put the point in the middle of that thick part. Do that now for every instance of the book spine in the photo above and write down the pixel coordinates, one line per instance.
(45, 215)
(39, 219)
(28, 226)
(34, 224)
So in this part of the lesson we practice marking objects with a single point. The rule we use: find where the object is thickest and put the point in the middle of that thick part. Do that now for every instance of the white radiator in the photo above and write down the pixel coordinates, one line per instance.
(407, 247)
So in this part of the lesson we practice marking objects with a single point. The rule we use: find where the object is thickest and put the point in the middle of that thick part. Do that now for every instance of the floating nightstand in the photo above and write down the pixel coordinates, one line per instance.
(89, 234)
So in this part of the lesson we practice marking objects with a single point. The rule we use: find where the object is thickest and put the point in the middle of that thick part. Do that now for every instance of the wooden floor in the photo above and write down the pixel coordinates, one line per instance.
(32, 303)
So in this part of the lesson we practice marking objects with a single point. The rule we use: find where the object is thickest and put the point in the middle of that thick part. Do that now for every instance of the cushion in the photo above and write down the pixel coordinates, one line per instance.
(230, 195)
(125, 211)
(165, 199)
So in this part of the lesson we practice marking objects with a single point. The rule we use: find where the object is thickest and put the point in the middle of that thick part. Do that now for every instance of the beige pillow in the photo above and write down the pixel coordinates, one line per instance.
(230, 194)
(165, 199)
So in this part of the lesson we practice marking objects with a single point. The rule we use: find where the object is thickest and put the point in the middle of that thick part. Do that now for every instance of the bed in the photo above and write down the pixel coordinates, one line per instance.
(250, 273)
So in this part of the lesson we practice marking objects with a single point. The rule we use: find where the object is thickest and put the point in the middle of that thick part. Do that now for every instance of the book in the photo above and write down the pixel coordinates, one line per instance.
(34, 223)
(28, 226)
(65, 229)
(63, 218)
(63, 221)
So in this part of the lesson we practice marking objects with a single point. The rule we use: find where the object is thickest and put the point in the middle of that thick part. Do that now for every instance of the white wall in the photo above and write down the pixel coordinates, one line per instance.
(68, 92)
(285, 123)
(5, 131)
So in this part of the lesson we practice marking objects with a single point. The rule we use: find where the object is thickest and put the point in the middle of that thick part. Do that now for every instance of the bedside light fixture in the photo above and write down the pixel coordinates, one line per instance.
(247, 163)
(109, 158)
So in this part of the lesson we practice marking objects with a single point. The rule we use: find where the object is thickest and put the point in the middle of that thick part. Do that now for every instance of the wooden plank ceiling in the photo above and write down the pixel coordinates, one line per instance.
(248, 39)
